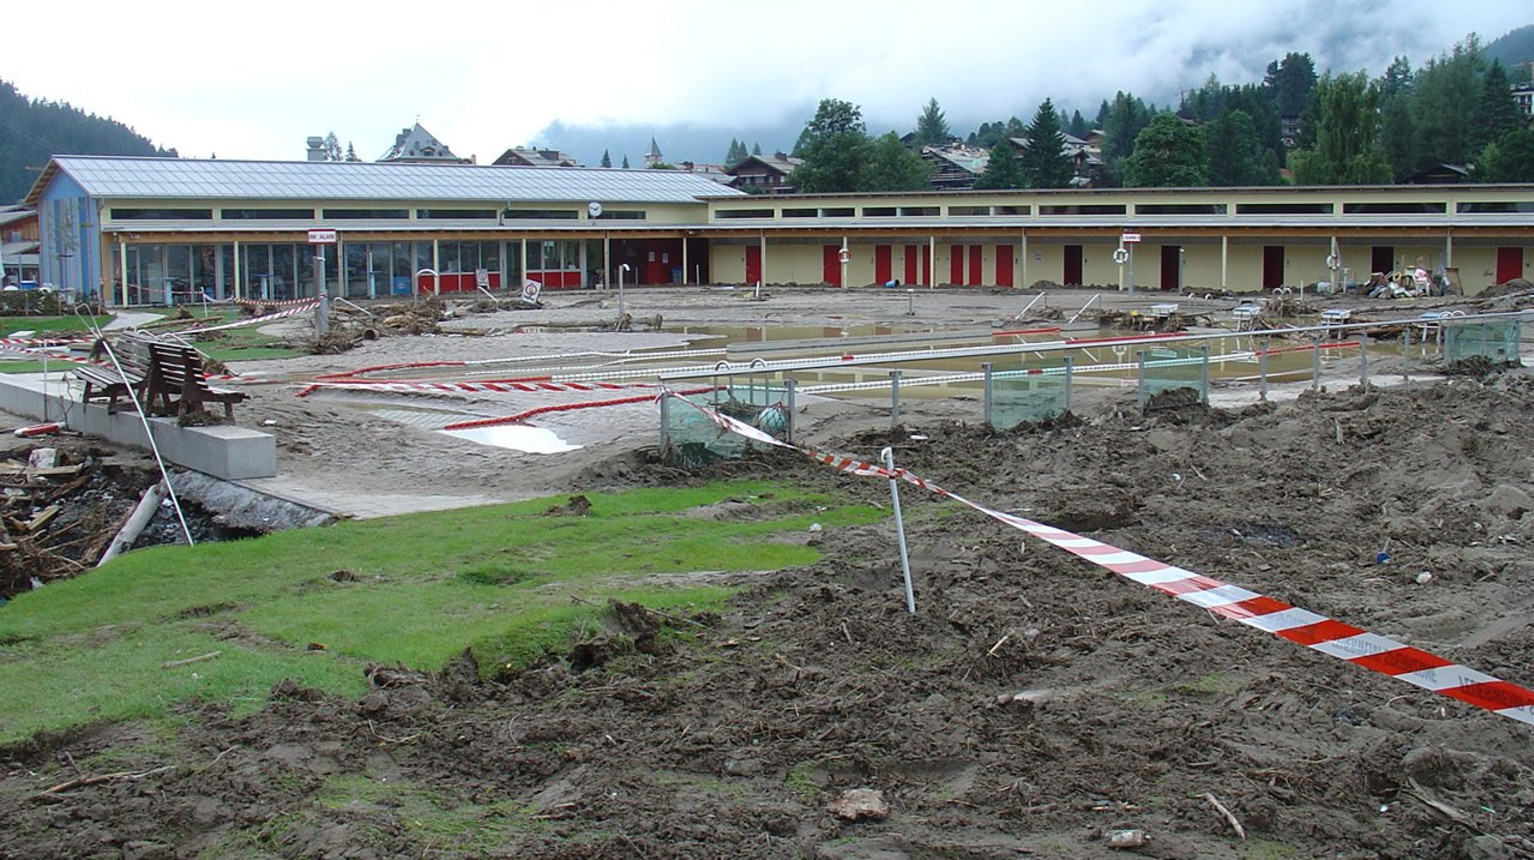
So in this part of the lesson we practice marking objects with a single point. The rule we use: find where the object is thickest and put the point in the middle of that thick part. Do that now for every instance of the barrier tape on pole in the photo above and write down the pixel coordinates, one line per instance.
(1300, 626)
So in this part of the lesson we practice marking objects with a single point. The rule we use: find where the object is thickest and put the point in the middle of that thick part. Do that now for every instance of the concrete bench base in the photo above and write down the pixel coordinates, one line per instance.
(221, 450)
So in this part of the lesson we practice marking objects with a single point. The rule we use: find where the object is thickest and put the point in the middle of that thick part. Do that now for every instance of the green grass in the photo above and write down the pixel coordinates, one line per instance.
(507, 581)
(51, 325)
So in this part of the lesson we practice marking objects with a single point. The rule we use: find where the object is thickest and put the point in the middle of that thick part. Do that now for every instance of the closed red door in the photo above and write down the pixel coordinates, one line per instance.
(1272, 267)
(926, 266)
(883, 268)
(1509, 264)
(1073, 266)
(1004, 265)
(956, 264)
(753, 264)
(912, 269)
(1171, 267)
(831, 264)
(976, 265)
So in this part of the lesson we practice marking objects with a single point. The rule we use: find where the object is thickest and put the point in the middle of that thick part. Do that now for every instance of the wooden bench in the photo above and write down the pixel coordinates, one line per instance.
(175, 385)
(103, 382)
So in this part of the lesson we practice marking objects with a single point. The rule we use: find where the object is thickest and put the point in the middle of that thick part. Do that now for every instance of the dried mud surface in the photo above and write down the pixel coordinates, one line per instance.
(1033, 706)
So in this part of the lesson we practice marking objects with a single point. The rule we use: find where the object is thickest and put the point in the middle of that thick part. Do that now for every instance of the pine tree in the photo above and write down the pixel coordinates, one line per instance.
(332, 147)
(625, 162)
(351, 152)
(1498, 112)
(756, 148)
(607, 159)
(1044, 162)
(931, 126)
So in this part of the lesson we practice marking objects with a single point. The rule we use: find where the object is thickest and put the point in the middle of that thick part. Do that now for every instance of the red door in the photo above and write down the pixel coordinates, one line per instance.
(1382, 259)
(831, 264)
(927, 275)
(884, 270)
(1509, 264)
(1003, 265)
(753, 264)
(956, 264)
(1073, 266)
(1272, 267)
(976, 264)
(1171, 267)
(912, 272)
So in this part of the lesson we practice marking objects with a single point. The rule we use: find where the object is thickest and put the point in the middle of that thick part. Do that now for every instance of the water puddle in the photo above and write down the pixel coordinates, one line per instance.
(517, 437)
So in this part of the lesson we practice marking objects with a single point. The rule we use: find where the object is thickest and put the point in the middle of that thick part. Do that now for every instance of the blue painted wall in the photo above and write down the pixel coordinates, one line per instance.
(71, 237)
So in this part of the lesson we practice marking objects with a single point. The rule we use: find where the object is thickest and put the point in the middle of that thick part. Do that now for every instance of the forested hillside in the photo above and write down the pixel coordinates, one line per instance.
(31, 131)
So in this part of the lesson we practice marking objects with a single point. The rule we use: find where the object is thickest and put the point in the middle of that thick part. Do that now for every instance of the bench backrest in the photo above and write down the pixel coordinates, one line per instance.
(177, 366)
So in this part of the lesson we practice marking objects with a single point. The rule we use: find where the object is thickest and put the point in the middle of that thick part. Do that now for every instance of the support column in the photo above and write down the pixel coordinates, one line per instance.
(684, 259)
(238, 284)
(932, 262)
(1224, 262)
(122, 264)
(436, 268)
(763, 279)
(523, 246)
(1022, 254)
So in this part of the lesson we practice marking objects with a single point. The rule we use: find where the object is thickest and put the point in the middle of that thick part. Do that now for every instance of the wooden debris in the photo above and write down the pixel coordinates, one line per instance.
(1235, 825)
(200, 658)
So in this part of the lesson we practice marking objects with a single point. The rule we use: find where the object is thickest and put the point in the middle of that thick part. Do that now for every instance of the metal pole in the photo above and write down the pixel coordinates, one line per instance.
(1204, 380)
(790, 388)
(1140, 396)
(985, 368)
(1315, 362)
(1363, 359)
(1070, 364)
(894, 398)
(905, 559)
(1131, 246)
(665, 424)
(322, 310)
(1262, 370)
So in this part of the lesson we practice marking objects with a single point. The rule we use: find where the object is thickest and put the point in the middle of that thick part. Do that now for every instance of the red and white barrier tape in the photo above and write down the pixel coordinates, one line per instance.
(30, 343)
(491, 387)
(284, 303)
(1303, 627)
(307, 305)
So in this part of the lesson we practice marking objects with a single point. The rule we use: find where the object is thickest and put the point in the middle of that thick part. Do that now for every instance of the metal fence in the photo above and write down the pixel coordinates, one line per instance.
(689, 437)
(1494, 340)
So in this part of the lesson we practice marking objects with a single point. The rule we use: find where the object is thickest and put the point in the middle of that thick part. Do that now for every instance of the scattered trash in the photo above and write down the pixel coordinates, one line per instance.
(1127, 838)
(1382, 557)
(859, 803)
(1424, 578)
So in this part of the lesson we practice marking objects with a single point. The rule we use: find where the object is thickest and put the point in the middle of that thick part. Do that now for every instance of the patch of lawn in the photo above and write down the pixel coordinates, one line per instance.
(511, 583)
(52, 325)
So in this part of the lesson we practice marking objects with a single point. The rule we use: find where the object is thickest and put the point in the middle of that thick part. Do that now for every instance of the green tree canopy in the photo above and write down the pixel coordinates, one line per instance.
(932, 126)
(1003, 170)
(607, 159)
(1347, 149)
(1044, 162)
(1447, 98)
(1235, 153)
(1497, 113)
(834, 146)
(1169, 153)
(1509, 158)
(1290, 82)
(736, 153)
(892, 167)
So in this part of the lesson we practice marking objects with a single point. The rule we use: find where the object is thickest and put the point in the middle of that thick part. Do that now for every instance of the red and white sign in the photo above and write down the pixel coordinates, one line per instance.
(1128, 238)
(322, 237)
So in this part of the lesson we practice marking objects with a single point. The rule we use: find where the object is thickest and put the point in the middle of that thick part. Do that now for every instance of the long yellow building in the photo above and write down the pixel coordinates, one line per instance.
(157, 231)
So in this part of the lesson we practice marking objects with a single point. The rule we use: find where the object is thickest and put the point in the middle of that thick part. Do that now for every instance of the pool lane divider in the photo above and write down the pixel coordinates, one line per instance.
(1284, 620)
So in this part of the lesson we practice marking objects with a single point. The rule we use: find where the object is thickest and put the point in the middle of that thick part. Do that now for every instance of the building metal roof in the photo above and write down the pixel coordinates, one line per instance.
(121, 178)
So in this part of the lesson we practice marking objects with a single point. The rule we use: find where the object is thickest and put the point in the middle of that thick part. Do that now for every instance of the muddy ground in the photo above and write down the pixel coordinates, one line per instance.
(742, 735)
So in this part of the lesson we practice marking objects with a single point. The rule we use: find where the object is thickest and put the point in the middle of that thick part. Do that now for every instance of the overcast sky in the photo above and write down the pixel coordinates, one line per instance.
(254, 80)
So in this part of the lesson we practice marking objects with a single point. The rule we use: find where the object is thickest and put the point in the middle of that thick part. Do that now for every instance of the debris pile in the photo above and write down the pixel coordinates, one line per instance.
(60, 511)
